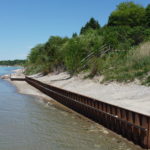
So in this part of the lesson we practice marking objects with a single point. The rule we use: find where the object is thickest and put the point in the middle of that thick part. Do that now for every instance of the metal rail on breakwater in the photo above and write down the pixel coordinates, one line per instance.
(132, 125)
(17, 79)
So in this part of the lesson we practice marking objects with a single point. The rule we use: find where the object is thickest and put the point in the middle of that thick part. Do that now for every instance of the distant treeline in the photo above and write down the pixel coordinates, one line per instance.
(12, 62)
(112, 50)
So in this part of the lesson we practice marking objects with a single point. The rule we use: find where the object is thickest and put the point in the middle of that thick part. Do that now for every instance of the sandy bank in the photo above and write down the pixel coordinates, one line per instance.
(22, 86)
(131, 96)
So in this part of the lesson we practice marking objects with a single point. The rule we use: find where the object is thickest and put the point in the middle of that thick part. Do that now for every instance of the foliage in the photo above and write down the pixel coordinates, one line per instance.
(117, 37)
(35, 54)
(147, 34)
(135, 64)
(47, 56)
(74, 35)
(147, 16)
(53, 52)
(12, 62)
(127, 14)
(124, 37)
(78, 48)
(92, 24)
(119, 51)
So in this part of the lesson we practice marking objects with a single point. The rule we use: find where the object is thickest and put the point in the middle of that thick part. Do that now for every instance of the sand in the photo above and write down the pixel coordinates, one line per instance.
(130, 96)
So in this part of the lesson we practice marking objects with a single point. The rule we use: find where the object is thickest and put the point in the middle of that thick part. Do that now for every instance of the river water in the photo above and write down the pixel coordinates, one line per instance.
(27, 123)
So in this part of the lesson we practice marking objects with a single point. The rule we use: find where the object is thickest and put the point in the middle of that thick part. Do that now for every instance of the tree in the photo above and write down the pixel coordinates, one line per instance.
(75, 51)
(35, 54)
(147, 16)
(127, 14)
(13, 62)
(92, 24)
(74, 35)
(53, 52)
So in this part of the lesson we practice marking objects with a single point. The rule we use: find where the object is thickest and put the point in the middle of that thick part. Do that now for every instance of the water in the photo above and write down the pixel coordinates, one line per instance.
(28, 123)
(7, 70)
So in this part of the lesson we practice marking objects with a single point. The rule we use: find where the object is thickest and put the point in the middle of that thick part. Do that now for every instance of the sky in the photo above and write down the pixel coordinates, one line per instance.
(26, 23)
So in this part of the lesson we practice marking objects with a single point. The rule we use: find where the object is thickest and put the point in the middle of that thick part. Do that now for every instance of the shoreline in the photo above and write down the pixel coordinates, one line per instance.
(24, 88)
(129, 96)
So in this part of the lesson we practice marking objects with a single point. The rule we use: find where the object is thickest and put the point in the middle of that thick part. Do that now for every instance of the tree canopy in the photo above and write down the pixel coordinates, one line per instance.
(127, 14)
(16, 62)
(147, 15)
(92, 24)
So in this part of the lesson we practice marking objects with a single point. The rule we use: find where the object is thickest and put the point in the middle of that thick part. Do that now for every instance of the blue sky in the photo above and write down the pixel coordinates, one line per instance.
(25, 23)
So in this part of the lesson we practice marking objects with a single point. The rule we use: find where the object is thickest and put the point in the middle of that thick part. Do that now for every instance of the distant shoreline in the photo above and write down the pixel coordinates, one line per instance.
(11, 66)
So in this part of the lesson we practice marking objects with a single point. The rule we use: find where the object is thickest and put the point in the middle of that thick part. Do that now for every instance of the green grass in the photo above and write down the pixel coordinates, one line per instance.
(134, 65)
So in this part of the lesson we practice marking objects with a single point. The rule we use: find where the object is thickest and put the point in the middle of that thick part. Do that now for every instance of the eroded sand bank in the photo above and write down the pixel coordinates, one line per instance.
(131, 96)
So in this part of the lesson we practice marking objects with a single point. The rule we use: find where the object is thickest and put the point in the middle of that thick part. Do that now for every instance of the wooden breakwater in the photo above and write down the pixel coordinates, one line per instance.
(132, 125)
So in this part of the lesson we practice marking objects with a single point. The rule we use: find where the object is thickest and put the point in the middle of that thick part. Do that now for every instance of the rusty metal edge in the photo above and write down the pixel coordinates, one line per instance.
(18, 79)
(43, 86)
(94, 99)
(98, 110)
(147, 129)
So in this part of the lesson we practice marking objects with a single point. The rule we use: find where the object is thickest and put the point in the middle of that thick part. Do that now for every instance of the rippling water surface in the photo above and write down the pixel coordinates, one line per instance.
(27, 123)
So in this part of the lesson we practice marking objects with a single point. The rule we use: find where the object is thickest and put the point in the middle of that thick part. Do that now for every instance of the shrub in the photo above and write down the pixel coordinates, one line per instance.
(135, 64)
(80, 49)
(92, 24)
(147, 16)
(127, 14)
(117, 37)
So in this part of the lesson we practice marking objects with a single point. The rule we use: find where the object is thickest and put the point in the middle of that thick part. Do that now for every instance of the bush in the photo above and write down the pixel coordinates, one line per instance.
(53, 53)
(135, 64)
(147, 16)
(80, 49)
(137, 35)
(92, 24)
(124, 37)
(127, 14)
(117, 37)
(75, 51)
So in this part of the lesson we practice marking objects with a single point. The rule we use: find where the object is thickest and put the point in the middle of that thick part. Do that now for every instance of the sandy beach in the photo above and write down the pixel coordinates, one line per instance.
(130, 96)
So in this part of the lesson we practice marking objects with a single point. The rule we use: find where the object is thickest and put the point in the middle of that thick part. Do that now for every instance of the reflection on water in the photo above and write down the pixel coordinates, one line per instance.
(27, 123)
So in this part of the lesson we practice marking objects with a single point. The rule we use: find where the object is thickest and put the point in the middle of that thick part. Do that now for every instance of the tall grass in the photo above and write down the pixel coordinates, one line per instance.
(123, 68)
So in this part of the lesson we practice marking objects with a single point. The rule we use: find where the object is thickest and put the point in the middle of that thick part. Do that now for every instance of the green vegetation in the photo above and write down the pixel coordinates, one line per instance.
(118, 51)
(147, 16)
(127, 14)
(92, 24)
(12, 62)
